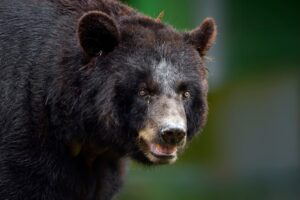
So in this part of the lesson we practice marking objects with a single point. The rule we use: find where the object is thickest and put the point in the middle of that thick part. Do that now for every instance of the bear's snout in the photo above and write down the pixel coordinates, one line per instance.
(164, 134)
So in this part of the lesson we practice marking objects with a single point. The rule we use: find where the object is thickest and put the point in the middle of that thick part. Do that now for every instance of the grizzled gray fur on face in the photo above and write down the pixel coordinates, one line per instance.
(88, 84)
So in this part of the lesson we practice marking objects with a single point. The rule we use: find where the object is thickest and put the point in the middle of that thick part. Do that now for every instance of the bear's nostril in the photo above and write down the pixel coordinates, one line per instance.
(172, 136)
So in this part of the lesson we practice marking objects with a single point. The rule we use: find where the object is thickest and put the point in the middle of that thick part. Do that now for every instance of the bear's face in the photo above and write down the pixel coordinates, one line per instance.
(159, 81)
(161, 95)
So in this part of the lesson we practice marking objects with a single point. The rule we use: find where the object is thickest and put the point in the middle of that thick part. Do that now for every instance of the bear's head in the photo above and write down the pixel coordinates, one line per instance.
(152, 100)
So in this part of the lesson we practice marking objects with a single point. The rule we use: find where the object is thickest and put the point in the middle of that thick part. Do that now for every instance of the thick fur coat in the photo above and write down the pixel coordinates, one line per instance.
(86, 84)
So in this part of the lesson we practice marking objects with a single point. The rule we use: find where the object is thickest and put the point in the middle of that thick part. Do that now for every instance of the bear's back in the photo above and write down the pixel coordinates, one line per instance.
(29, 47)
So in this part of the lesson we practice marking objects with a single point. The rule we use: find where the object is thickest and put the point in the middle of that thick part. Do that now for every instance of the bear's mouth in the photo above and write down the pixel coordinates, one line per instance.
(159, 153)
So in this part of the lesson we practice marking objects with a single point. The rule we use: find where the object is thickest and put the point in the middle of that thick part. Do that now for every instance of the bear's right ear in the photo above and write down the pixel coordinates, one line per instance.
(97, 33)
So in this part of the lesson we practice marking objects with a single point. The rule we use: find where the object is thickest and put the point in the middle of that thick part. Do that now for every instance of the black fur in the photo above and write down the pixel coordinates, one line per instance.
(57, 95)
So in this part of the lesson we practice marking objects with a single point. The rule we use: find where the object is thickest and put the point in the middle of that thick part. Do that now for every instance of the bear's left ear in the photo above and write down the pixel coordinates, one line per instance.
(203, 36)
(97, 33)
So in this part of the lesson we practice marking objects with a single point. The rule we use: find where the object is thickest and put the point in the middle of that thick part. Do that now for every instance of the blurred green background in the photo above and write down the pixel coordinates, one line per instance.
(250, 148)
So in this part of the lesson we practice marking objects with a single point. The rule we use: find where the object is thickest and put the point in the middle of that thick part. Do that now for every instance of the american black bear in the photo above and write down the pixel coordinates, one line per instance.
(86, 84)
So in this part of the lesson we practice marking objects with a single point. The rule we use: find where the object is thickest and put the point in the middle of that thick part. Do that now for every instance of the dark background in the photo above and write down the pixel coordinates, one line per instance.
(250, 148)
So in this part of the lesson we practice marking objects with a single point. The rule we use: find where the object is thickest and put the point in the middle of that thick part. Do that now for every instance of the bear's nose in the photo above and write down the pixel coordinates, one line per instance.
(172, 135)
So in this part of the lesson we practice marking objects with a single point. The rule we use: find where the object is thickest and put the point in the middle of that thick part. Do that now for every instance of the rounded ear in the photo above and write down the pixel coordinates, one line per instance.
(203, 36)
(97, 33)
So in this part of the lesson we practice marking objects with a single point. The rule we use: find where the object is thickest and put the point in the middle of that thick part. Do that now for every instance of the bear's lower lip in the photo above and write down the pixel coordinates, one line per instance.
(161, 151)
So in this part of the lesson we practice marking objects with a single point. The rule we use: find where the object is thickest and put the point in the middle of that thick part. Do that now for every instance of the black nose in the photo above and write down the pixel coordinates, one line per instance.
(172, 135)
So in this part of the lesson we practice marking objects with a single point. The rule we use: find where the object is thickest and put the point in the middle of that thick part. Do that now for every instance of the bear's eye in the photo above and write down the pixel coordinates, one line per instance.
(143, 92)
(186, 94)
